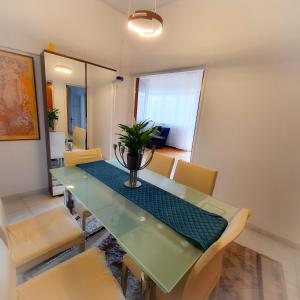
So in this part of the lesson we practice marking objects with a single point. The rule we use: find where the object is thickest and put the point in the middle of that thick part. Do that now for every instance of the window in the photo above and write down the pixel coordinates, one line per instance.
(172, 100)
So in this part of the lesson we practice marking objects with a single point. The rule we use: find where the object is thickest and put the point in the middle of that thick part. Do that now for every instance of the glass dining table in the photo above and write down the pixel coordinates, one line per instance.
(163, 255)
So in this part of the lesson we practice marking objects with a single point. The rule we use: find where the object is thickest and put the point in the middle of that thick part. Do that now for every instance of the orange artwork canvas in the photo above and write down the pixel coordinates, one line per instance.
(18, 103)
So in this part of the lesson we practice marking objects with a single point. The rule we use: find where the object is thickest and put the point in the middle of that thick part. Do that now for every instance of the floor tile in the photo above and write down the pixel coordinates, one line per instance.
(284, 254)
(18, 216)
(292, 292)
(41, 204)
(13, 205)
(250, 239)
(298, 279)
(37, 198)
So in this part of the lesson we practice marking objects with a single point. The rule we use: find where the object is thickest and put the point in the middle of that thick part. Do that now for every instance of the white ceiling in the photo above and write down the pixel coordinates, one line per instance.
(123, 5)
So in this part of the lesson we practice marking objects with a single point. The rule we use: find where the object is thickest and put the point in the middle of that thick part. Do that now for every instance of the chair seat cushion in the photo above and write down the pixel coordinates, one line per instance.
(42, 235)
(84, 276)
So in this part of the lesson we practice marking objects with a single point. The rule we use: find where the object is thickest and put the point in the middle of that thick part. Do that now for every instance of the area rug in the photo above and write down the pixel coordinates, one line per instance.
(93, 226)
(247, 275)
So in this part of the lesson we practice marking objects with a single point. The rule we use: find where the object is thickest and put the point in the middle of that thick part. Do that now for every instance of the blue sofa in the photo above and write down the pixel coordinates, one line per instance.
(159, 140)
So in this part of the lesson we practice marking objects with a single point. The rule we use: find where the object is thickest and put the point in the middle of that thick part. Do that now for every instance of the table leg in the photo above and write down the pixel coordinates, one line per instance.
(148, 287)
(69, 203)
(85, 215)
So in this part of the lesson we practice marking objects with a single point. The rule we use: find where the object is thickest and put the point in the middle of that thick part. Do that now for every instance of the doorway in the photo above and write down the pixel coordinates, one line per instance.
(171, 100)
(76, 108)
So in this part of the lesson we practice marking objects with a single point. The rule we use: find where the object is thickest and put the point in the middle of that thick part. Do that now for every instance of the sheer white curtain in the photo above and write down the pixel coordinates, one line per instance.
(171, 100)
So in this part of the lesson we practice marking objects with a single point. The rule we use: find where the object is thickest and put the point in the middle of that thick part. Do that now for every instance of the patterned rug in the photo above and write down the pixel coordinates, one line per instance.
(247, 275)
(93, 226)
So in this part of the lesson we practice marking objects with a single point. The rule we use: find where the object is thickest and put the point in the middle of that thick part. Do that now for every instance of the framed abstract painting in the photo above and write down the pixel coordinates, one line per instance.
(18, 101)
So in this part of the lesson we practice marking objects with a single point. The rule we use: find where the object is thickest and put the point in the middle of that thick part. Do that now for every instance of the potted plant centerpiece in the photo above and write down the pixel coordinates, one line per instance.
(52, 117)
(132, 145)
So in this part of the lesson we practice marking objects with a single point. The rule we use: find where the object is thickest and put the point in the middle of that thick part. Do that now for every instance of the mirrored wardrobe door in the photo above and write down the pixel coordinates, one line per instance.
(100, 98)
(66, 110)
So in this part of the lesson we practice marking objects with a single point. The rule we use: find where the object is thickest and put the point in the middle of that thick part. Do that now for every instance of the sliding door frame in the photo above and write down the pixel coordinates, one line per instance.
(45, 107)
(136, 98)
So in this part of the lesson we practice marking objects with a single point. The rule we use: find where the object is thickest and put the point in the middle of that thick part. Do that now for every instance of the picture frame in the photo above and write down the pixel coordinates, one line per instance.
(18, 98)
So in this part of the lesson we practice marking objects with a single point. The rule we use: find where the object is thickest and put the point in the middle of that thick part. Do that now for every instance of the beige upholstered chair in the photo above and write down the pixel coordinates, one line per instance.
(38, 238)
(79, 138)
(205, 274)
(84, 276)
(161, 164)
(72, 158)
(195, 176)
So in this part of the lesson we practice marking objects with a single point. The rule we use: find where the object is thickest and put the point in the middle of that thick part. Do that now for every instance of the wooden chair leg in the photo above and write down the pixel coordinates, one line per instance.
(82, 245)
(124, 278)
(148, 287)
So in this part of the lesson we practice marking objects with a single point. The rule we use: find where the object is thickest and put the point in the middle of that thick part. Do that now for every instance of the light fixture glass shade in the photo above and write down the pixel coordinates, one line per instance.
(146, 23)
(63, 69)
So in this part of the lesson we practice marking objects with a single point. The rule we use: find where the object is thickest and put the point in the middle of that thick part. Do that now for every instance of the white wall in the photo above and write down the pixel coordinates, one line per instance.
(109, 104)
(87, 29)
(102, 119)
(123, 104)
(23, 163)
(249, 131)
(249, 125)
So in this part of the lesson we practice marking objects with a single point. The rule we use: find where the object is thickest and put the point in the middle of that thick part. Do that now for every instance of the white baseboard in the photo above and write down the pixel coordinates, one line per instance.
(273, 236)
(26, 194)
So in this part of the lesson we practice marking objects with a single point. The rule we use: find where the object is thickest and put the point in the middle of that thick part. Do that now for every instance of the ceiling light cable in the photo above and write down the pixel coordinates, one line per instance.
(129, 7)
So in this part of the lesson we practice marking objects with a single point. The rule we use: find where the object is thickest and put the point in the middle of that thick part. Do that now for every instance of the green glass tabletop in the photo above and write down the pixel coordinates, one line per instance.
(164, 255)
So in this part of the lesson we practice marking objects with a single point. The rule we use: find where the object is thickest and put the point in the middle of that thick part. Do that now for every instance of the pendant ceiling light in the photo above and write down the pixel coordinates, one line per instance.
(146, 23)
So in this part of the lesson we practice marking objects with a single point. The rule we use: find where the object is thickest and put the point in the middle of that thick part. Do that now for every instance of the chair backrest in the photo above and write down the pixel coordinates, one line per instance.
(207, 271)
(57, 144)
(8, 289)
(161, 164)
(196, 176)
(79, 137)
(3, 233)
(73, 158)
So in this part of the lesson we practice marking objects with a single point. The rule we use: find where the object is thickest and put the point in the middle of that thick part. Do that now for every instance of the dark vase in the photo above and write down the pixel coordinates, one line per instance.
(133, 164)
(132, 161)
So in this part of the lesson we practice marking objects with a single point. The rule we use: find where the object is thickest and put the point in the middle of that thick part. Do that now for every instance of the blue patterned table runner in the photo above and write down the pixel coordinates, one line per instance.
(199, 227)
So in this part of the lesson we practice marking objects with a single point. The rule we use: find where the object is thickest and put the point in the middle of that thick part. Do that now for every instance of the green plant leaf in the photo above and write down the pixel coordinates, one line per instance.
(136, 137)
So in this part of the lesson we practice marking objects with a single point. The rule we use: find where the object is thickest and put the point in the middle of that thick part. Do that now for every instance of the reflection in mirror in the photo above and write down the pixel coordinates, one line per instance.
(80, 104)
(66, 92)
(100, 95)
(66, 105)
